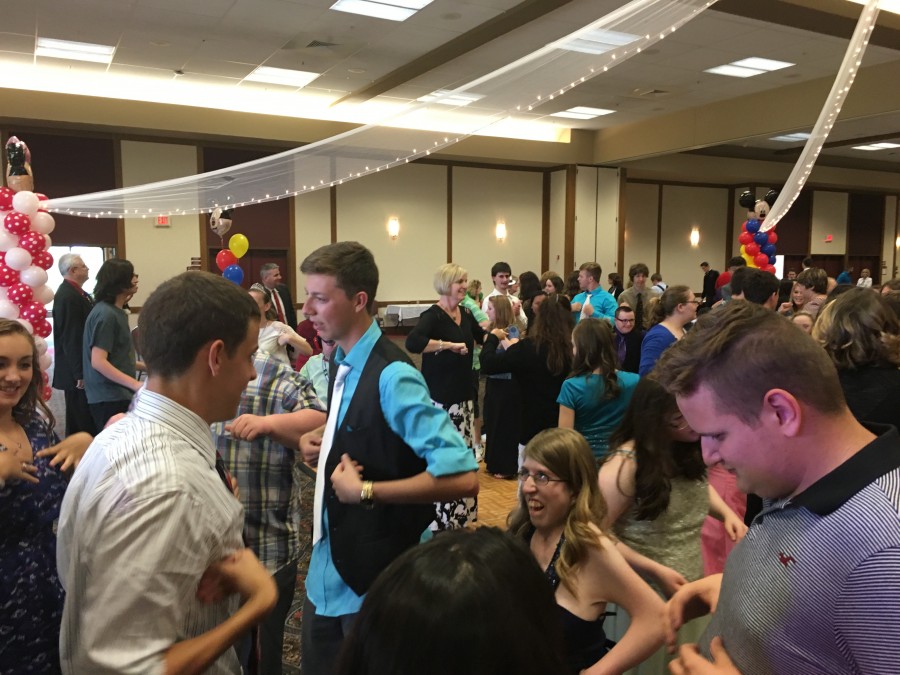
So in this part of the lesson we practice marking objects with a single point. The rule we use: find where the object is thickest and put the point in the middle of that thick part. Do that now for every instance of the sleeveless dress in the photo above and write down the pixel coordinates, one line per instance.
(585, 641)
(31, 597)
(672, 539)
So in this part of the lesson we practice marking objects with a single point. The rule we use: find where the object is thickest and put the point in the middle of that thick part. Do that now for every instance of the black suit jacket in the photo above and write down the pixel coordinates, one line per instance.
(290, 314)
(709, 286)
(633, 340)
(70, 311)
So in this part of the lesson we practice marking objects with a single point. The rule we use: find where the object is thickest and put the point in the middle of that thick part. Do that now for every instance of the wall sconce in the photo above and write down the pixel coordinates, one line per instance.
(695, 237)
(393, 227)
(501, 231)
(897, 243)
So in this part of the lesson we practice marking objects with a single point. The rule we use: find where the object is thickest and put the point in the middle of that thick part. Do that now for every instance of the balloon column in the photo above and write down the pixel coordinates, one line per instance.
(24, 258)
(758, 248)
(238, 245)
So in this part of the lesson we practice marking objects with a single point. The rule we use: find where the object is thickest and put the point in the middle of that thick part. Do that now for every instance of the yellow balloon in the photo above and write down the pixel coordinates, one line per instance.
(239, 245)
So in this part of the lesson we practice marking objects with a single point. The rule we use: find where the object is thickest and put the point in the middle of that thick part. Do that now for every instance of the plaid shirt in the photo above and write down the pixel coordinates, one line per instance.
(264, 469)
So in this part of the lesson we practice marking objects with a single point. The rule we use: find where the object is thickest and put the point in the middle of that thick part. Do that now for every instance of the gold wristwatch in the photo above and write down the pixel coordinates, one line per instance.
(367, 495)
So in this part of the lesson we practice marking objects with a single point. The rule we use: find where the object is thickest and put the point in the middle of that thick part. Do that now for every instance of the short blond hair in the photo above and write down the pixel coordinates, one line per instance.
(446, 275)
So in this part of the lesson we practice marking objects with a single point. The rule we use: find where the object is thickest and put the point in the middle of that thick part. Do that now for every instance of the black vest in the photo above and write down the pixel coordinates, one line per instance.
(365, 541)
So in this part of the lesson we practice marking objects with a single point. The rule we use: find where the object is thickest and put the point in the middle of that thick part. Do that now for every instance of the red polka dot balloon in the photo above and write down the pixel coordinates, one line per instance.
(6, 197)
(17, 223)
(32, 242)
(42, 259)
(43, 328)
(21, 294)
(33, 312)
(8, 276)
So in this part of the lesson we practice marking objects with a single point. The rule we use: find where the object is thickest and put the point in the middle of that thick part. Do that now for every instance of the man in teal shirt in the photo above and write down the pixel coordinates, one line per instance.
(593, 301)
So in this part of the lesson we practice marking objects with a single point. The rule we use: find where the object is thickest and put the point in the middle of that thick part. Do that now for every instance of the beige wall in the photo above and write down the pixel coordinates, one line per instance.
(682, 209)
(158, 253)
(312, 229)
(558, 223)
(597, 217)
(641, 217)
(829, 217)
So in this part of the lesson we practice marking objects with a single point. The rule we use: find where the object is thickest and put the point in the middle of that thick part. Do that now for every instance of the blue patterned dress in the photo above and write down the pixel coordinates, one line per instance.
(31, 597)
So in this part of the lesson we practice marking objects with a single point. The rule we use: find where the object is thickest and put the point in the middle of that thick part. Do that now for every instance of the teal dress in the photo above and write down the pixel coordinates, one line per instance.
(596, 417)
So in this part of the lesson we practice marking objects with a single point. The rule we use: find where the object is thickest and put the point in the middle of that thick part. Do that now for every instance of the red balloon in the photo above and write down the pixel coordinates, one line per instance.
(6, 196)
(32, 242)
(770, 269)
(761, 260)
(8, 276)
(752, 249)
(33, 312)
(225, 259)
(47, 392)
(43, 259)
(45, 378)
(773, 238)
(21, 294)
(745, 238)
(744, 226)
(41, 196)
(42, 328)
(17, 223)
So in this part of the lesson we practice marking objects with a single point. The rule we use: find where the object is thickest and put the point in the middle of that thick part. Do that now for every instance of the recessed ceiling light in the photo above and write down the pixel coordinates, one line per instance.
(582, 113)
(393, 10)
(868, 148)
(734, 71)
(598, 41)
(762, 64)
(284, 76)
(790, 138)
(884, 5)
(79, 51)
(886, 146)
(445, 97)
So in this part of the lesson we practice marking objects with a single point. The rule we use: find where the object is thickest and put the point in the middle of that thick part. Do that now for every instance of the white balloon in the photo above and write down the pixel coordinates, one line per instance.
(27, 324)
(45, 361)
(4, 292)
(18, 258)
(26, 202)
(48, 242)
(42, 294)
(8, 240)
(42, 222)
(40, 344)
(33, 276)
(8, 310)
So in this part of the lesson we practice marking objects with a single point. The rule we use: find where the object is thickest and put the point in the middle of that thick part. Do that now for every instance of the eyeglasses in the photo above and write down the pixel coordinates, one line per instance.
(540, 478)
(624, 320)
(692, 302)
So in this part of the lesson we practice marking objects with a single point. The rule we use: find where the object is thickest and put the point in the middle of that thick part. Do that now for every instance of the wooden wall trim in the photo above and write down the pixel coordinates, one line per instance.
(545, 221)
(569, 232)
(659, 226)
(729, 231)
(333, 195)
(203, 221)
(623, 209)
(449, 213)
(120, 222)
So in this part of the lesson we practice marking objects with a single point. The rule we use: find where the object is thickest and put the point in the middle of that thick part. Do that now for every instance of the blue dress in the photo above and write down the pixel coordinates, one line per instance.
(657, 340)
(31, 597)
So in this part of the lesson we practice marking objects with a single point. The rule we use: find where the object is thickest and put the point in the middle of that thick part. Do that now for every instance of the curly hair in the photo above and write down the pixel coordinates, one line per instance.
(859, 329)
(552, 333)
(566, 454)
(595, 349)
(659, 459)
(31, 399)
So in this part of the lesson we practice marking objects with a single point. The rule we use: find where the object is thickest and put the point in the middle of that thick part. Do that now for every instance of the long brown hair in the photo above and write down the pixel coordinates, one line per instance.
(595, 349)
(503, 314)
(565, 453)
(31, 400)
(552, 333)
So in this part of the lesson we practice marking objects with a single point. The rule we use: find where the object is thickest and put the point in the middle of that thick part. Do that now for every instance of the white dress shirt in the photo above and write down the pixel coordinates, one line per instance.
(144, 516)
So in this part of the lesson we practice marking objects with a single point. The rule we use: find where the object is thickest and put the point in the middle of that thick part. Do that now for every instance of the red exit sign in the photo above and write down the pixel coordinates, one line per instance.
(162, 221)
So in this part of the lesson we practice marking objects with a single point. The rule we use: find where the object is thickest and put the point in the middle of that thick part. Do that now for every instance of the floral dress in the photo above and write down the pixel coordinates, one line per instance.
(31, 597)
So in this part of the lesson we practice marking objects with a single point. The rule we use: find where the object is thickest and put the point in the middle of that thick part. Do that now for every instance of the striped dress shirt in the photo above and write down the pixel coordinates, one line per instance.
(144, 516)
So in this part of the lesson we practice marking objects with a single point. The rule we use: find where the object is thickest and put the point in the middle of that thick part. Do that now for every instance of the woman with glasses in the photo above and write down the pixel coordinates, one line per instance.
(560, 514)
(657, 495)
(677, 307)
(594, 398)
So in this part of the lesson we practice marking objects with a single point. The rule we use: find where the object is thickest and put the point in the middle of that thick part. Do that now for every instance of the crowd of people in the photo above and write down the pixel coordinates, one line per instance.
(707, 481)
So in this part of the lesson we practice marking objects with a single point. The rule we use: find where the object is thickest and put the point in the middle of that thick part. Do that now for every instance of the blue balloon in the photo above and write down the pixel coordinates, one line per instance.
(761, 238)
(753, 226)
(769, 250)
(234, 273)
(772, 260)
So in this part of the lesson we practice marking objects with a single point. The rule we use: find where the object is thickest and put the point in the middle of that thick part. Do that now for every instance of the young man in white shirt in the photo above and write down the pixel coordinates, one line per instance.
(501, 274)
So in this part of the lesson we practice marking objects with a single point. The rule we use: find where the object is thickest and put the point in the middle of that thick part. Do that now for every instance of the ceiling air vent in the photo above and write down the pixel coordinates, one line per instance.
(320, 43)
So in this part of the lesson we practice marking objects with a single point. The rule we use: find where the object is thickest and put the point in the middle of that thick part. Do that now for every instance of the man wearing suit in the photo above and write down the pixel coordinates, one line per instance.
(71, 306)
(282, 303)
(710, 277)
(628, 339)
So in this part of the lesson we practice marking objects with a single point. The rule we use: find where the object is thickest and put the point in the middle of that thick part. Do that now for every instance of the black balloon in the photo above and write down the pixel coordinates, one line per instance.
(770, 197)
(747, 200)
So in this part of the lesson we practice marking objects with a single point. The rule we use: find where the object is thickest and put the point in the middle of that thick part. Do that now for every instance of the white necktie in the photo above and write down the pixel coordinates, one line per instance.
(334, 406)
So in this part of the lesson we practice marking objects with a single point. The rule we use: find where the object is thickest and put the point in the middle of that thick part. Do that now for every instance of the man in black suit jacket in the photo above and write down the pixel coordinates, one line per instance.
(628, 339)
(71, 306)
(270, 275)
(710, 276)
